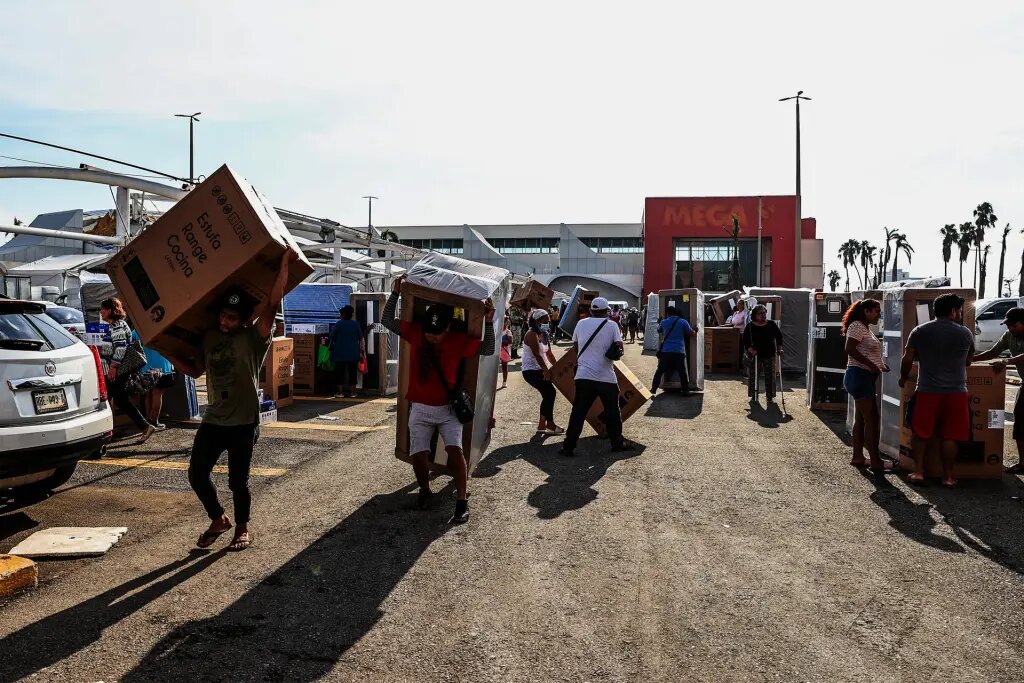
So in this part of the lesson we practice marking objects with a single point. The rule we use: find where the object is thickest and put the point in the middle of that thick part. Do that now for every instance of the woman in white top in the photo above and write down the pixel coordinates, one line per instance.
(863, 366)
(537, 362)
(738, 319)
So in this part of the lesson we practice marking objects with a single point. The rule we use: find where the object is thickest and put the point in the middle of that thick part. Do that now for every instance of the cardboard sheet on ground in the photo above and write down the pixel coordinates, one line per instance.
(69, 542)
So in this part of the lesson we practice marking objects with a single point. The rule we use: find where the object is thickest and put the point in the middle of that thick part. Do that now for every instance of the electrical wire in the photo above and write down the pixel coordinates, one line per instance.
(90, 154)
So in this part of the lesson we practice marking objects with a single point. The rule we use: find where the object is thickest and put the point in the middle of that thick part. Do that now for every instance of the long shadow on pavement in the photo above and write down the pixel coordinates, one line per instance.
(984, 516)
(673, 405)
(570, 481)
(769, 418)
(61, 635)
(297, 623)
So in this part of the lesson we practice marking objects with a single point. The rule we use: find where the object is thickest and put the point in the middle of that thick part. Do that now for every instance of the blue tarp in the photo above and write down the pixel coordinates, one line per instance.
(314, 303)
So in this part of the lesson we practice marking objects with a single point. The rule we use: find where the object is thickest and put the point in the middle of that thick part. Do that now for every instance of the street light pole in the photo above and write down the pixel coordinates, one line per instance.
(799, 213)
(369, 219)
(192, 118)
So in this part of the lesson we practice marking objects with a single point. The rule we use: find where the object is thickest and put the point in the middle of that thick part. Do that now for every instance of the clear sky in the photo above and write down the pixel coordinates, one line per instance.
(473, 112)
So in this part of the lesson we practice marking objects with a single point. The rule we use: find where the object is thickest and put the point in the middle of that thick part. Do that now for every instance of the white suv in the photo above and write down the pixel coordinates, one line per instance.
(989, 314)
(53, 400)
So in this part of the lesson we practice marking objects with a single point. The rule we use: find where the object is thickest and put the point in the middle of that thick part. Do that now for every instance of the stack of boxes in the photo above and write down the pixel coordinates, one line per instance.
(277, 376)
(722, 350)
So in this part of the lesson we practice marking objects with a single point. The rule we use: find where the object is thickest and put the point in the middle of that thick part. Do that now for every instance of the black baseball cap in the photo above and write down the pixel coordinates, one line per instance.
(438, 318)
(237, 301)
(1014, 315)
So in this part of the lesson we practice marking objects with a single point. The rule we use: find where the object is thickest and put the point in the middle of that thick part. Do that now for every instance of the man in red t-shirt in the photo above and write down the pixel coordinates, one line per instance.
(436, 352)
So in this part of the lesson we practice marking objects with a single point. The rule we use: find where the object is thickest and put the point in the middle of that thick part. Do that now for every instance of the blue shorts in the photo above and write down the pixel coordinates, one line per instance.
(860, 383)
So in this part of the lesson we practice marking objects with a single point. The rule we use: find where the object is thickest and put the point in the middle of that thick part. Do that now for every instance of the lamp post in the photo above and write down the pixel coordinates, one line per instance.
(192, 118)
(799, 236)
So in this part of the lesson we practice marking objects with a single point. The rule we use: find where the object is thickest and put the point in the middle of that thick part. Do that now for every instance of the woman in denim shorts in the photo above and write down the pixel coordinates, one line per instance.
(863, 366)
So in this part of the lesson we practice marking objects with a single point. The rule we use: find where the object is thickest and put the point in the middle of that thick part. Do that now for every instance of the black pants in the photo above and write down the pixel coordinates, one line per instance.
(119, 395)
(535, 378)
(667, 362)
(766, 365)
(587, 391)
(210, 442)
(345, 373)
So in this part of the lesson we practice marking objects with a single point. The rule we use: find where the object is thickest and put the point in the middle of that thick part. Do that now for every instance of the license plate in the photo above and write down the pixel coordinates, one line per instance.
(52, 401)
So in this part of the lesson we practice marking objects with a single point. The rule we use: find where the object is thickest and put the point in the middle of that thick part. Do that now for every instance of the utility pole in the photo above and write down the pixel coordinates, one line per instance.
(192, 118)
(369, 218)
(369, 240)
(799, 235)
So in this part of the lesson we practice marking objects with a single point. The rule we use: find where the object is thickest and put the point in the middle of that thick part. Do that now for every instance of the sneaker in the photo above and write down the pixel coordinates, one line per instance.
(146, 433)
(461, 515)
(424, 499)
(159, 426)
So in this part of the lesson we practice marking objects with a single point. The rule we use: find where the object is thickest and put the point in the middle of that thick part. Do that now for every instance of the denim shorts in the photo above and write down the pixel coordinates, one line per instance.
(860, 383)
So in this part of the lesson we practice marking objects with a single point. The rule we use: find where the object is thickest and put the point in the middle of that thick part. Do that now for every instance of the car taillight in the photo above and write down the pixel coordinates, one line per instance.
(101, 379)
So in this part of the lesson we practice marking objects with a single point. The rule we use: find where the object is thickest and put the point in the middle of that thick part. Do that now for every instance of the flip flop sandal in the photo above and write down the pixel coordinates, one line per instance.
(208, 538)
(557, 431)
(950, 485)
(915, 481)
(240, 542)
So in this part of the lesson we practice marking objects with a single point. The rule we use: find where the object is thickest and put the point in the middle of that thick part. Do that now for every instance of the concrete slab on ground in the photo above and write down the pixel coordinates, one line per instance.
(69, 542)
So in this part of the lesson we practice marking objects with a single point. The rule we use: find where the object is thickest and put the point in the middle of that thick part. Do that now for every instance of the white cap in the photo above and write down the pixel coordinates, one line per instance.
(538, 313)
(599, 304)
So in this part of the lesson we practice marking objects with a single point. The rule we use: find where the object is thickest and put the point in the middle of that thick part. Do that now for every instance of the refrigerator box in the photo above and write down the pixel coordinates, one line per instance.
(464, 285)
(532, 295)
(902, 311)
(722, 350)
(633, 394)
(222, 235)
(826, 352)
(982, 456)
(309, 379)
(277, 376)
(723, 304)
(381, 378)
(579, 305)
(690, 303)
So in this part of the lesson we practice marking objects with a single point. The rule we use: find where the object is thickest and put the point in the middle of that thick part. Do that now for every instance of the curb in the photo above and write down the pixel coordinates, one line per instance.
(17, 574)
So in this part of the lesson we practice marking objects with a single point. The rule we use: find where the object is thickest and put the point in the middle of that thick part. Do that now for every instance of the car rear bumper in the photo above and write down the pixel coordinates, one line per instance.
(35, 448)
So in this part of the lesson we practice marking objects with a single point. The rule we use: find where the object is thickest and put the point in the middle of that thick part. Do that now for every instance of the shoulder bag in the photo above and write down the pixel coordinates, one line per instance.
(134, 359)
(662, 345)
(459, 399)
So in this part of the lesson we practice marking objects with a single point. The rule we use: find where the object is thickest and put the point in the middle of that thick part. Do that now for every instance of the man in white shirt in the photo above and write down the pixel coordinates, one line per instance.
(595, 376)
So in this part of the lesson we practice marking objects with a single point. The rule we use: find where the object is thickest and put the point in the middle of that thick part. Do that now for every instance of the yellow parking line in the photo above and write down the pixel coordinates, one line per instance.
(326, 428)
(179, 465)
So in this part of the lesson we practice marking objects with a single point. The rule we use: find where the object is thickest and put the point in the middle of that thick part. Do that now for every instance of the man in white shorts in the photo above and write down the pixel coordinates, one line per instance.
(437, 351)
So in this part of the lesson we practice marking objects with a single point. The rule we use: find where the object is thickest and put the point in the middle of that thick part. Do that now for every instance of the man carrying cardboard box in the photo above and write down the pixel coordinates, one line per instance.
(1012, 341)
(596, 339)
(438, 358)
(232, 353)
(939, 409)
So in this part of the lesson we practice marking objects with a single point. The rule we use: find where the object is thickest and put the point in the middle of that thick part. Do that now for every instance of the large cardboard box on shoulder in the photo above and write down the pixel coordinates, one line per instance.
(633, 394)
(277, 378)
(222, 235)
(464, 285)
(532, 295)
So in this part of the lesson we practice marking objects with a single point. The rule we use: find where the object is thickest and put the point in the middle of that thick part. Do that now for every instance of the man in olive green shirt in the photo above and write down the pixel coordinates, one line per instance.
(1012, 341)
(233, 353)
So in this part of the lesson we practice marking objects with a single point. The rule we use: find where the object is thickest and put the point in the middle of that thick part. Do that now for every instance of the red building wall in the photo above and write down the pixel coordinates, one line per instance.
(666, 218)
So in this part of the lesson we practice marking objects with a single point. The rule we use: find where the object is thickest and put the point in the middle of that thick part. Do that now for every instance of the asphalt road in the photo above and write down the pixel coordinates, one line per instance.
(734, 545)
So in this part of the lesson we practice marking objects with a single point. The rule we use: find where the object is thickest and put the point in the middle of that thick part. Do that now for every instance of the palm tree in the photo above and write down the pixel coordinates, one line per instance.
(834, 278)
(901, 244)
(984, 270)
(950, 236)
(965, 240)
(867, 259)
(890, 235)
(984, 219)
(734, 270)
(849, 251)
(1002, 256)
